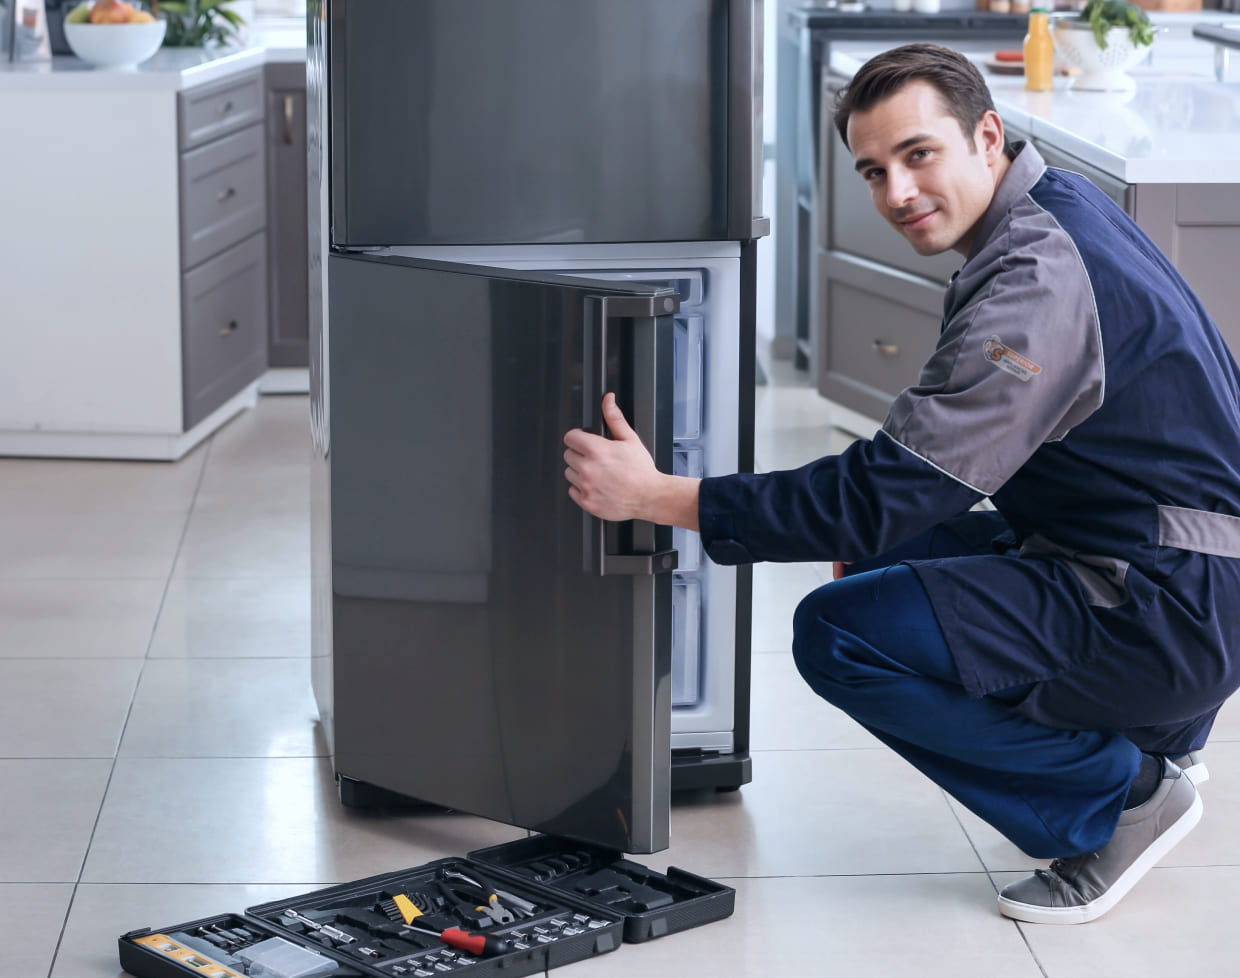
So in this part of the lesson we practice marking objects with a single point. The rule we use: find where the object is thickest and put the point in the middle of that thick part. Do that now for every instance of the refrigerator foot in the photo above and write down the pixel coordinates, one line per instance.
(362, 794)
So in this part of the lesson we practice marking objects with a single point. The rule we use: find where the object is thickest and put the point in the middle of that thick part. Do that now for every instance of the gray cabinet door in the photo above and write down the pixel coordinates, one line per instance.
(1197, 226)
(223, 327)
(287, 223)
(494, 649)
(879, 328)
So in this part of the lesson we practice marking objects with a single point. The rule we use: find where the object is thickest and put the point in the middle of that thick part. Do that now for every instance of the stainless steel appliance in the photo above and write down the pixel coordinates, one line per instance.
(515, 207)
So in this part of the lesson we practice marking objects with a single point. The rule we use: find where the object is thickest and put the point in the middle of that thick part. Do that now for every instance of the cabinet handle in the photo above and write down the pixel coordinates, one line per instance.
(230, 328)
(288, 120)
(887, 349)
(223, 195)
(225, 107)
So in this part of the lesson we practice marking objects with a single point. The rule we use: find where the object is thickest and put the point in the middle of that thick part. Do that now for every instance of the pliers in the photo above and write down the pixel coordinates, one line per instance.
(499, 913)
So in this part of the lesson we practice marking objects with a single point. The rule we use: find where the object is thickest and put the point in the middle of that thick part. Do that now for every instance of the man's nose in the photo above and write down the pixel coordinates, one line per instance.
(901, 187)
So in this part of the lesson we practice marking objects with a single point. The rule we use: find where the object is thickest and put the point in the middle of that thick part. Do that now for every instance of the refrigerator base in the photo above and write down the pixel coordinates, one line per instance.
(691, 771)
(694, 770)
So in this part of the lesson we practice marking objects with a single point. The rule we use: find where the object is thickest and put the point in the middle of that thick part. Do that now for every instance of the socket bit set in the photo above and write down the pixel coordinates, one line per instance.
(516, 909)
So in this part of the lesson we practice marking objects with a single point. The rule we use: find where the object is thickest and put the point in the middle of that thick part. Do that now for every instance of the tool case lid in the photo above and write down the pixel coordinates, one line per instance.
(652, 904)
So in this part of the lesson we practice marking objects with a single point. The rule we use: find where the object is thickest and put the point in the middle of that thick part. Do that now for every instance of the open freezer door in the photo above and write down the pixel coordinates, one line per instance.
(494, 649)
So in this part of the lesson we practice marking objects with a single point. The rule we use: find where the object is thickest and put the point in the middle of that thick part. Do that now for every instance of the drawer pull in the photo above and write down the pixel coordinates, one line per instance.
(887, 349)
(288, 120)
(230, 328)
(226, 107)
(223, 195)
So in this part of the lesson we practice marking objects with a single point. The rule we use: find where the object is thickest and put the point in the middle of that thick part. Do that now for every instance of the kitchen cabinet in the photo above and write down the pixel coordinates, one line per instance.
(223, 244)
(1197, 226)
(142, 326)
(287, 224)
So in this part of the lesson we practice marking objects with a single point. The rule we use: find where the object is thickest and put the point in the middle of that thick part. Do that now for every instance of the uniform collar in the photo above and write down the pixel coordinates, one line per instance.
(1026, 170)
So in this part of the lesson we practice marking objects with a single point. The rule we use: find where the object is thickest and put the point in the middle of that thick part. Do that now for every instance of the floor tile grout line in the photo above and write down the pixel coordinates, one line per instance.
(990, 876)
(146, 657)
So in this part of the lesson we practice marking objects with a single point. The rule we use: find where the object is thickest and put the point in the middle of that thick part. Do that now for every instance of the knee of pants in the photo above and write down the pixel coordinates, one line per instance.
(815, 647)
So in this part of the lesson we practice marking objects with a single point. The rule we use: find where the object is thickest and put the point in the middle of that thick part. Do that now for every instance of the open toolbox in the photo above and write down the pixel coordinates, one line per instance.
(652, 904)
(515, 909)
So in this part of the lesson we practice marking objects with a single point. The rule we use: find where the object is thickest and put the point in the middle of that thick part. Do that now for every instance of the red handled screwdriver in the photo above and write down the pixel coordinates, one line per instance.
(483, 945)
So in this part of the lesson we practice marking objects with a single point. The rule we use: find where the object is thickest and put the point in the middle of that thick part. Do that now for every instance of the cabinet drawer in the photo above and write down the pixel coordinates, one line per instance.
(211, 111)
(223, 327)
(877, 330)
(223, 194)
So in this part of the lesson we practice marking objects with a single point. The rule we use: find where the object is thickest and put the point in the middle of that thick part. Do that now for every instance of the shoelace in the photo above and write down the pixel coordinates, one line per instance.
(1063, 872)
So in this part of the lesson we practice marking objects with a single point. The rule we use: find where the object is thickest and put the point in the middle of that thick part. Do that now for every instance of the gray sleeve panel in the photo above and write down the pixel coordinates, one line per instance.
(1019, 363)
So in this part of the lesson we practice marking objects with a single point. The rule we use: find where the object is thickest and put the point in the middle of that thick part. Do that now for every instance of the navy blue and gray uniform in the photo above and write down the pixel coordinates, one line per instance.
(1080, 386)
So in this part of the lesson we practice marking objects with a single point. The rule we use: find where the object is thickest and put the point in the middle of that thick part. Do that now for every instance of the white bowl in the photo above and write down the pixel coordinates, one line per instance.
(1102, 69)
(115, 45)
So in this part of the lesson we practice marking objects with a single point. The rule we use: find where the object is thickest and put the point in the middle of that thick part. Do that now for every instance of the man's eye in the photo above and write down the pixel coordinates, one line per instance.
(870, 175)
(920, 154)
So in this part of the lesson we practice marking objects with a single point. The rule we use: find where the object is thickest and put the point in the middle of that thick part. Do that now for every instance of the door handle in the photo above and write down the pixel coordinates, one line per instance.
(887, 349)
(643, 313)
(288, 120)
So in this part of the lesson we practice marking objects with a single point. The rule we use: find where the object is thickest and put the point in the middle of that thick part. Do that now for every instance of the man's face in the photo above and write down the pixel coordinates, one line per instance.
(926, 179)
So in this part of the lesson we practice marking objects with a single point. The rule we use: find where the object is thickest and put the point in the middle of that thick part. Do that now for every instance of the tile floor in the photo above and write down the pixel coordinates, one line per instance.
(159, 743)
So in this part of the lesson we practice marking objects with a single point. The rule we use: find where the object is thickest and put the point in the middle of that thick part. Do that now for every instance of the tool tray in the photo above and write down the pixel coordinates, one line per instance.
(652, 904)
(359, 930)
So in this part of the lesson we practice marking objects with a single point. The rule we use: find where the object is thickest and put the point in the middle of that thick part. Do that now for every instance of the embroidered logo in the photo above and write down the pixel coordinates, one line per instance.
(1005, 358)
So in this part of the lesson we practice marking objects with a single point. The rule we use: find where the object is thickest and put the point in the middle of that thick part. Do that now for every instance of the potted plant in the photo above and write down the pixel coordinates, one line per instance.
(1106, 39)
(194, 23)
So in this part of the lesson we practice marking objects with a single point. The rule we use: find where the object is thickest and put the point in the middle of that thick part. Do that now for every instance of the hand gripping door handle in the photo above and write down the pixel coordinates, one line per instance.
(639, 316)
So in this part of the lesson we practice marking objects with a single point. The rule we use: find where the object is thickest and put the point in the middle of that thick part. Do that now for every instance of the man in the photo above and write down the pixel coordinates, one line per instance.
(1056, 664)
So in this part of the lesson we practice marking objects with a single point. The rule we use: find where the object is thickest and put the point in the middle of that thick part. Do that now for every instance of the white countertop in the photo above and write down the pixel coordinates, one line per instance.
(1180, 125)
(171, 69)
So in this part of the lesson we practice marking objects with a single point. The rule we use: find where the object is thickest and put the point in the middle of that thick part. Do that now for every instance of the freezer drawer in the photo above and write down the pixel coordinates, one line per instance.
(477, 612)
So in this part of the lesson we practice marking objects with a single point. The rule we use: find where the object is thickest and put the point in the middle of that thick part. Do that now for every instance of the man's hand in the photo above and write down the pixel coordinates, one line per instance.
(616, 479)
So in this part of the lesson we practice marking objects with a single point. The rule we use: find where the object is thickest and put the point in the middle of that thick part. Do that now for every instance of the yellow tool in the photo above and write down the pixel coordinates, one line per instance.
(202, 965)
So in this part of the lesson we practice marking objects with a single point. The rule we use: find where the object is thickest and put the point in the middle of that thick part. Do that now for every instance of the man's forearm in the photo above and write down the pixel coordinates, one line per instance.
(675, 502)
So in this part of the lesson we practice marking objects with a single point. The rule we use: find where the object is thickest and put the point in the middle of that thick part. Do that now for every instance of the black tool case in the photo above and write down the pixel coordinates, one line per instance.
(652, 904)
(360, 930)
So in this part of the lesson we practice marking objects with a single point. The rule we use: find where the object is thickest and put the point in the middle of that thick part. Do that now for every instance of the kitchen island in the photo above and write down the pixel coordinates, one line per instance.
(1168, 152)
(135, 313)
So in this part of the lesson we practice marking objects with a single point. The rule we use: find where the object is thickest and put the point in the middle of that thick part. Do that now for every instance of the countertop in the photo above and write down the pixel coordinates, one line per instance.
(171, 69)
(1180, 125)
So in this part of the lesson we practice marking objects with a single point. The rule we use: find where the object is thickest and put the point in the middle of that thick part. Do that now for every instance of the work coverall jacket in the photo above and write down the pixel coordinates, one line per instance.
(1079, 384)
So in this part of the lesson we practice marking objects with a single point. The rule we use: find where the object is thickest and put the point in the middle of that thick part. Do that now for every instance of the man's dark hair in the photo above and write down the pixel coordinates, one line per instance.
(959, 84)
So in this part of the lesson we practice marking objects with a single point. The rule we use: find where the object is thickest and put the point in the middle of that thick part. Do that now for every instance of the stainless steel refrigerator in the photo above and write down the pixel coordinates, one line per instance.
(517, 205)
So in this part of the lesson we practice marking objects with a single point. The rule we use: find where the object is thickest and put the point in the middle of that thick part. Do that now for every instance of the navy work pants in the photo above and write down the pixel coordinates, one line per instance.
(869, 643)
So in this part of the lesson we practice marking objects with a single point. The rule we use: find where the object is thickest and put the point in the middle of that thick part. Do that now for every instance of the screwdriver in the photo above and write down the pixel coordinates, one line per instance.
(483, 945)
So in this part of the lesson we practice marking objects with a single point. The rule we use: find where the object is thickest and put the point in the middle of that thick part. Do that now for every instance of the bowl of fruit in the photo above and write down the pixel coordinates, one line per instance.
(113, 33)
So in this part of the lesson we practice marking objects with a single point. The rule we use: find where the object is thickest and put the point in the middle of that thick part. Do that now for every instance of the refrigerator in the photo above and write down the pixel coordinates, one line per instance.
(515, 207)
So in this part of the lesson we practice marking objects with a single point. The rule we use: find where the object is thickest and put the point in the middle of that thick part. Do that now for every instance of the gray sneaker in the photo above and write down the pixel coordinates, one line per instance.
(1194, 765)
(1083, 888)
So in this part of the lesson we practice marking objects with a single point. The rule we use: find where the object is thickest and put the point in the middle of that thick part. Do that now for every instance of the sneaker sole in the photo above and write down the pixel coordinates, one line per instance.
(1126, 881)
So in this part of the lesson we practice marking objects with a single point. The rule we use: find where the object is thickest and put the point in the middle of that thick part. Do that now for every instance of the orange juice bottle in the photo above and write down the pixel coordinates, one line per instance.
(1039, 52)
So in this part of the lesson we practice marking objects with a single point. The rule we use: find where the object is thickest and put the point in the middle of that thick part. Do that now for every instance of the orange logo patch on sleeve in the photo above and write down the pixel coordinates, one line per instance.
(1005, 358)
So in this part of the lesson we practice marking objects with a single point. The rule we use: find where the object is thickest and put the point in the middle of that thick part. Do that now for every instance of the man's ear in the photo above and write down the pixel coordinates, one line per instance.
(989, 136)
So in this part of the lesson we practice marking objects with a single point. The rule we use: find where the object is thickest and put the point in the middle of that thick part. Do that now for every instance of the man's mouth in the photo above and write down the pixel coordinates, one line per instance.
(915, 222)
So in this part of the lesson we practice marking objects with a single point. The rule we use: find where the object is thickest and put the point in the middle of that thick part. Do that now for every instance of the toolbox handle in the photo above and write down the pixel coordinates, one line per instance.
(644, 318)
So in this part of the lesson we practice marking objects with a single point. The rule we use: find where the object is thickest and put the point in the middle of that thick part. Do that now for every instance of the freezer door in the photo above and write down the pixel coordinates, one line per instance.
(494, 649)
(495, 122)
